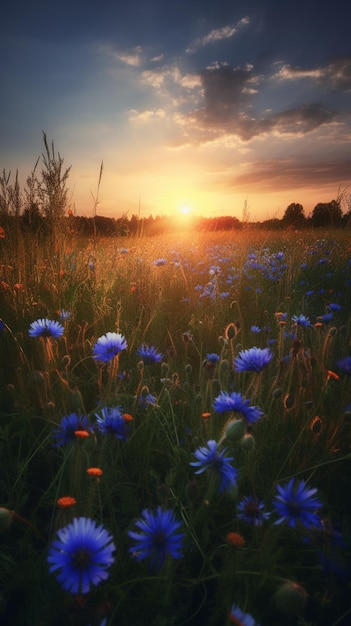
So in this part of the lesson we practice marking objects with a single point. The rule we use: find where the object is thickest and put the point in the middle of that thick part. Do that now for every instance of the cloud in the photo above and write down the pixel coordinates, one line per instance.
(132, 58)
(146, 116)
(336, 74)
(217, 34)
(228, 109)
(285, 174)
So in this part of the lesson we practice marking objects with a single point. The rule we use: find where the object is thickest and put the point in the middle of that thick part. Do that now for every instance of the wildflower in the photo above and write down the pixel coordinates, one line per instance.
(64, 315)
(149, 354)
(255, 329)
(235, 539)
(212, 358)
(83, 553)
(238, 617)
(301, 320)
(251, 510)
(236, 403)
(69, 426)
(205, 415)
(66, 502)
(81, 434)
(94, 471)
(253, 360)
(296, 503)
(108, 346)
(345, 365)
(332, 375)
(157, 537)
(145, 399)
(159, 262)
(112, 422)
(2, 233)
(333, 306)
(210, 459)
(127, 417)
(46, 328)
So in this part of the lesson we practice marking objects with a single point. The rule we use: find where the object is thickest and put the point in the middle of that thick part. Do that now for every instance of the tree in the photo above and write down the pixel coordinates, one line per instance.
(327, 214)
(294, 215)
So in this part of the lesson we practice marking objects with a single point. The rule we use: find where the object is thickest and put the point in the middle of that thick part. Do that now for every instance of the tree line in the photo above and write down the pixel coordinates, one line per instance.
(44, 205)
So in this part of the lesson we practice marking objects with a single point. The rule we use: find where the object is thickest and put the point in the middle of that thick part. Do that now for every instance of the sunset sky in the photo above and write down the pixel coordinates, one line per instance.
(202, 104)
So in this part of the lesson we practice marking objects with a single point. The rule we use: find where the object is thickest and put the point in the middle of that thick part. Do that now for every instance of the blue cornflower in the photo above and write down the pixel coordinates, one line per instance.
(301, 320)
(64, 315)
(83, 553)
(157, 537)
(160, 262)
(240, 618)
(255, 329)
(149, 354)
(251, 510)
(235, 402)
(108, 346)
(253, 360)
(212, 357)
(146, 398)
(296, 503)
(333, 306)
(112, 422)
(211, 459)
(68, 426)
(345, 365)
(46, 328)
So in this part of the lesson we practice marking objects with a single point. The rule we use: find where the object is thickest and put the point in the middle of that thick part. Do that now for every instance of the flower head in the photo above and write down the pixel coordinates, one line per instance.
(149, 354)
(236, 403)
(66, 502)
(64, 315)
(82, 553)
(251, 510)
(344, 365)
(69, 426)
(157, 537)
(211, 459)
(252, 360)
(112, 422)
(108, 346)
(46, 328)
(296, 504)
(238, 617)
(301, 320)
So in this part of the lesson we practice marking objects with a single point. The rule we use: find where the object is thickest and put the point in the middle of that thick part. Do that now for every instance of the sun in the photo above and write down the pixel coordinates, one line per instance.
(185, 209)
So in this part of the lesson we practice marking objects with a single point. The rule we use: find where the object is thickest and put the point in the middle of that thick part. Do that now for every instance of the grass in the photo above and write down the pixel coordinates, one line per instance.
(188, 296)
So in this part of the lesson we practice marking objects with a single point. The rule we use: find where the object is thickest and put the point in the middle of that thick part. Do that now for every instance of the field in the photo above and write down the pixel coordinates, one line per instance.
(185, 399)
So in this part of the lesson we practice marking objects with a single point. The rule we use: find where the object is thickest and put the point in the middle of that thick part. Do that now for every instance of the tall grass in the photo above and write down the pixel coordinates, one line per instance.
(189, 297)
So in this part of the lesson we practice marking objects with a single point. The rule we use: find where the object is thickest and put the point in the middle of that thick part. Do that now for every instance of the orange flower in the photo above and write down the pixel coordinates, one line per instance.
(94, 471)
(318, 324)
(332, 375)
(66, 501)
(2, 233)
(81, 434)
(235, 539)
(127, 417)
(205, 415)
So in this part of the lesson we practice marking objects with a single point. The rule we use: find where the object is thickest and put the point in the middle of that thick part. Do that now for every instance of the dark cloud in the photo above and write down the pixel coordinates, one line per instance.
(285, 174)
(229, 99)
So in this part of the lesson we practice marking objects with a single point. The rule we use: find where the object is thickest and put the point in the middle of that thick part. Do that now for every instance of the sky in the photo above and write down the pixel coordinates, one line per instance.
(214, 107)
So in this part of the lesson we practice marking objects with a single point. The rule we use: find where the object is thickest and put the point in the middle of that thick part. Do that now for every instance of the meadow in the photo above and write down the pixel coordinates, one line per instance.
(175, 429)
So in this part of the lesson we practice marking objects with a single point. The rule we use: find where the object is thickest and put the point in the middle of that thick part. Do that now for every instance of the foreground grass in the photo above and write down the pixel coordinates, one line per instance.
(190, 297)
